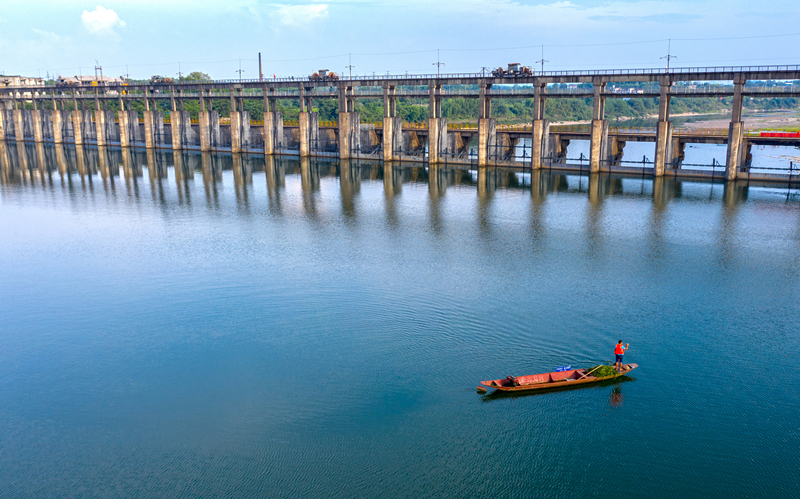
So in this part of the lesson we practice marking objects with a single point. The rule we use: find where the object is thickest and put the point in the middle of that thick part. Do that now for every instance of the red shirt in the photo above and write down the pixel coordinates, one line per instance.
(619, 350)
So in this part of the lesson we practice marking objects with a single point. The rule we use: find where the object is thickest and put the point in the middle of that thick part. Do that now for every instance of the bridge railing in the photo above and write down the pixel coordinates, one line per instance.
(476, 75)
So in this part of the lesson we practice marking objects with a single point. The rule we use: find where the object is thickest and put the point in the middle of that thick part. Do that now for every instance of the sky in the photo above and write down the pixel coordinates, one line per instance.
(142, 38)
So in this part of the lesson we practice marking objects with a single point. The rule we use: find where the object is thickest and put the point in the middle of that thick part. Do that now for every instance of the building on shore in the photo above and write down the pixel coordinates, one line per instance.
(10, 81)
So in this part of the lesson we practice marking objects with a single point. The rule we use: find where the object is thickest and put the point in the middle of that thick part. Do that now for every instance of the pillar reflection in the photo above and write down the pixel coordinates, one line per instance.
(487, 184)
(599, 186)
(350, 186)
(392, 186)
(60, 159)
(733, 195)
(309, 183)
(437, 186)
(242, 178)
(538, 201)
(276, 181)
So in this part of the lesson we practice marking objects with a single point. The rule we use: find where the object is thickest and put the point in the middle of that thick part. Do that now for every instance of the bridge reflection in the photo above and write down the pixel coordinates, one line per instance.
(29, 164)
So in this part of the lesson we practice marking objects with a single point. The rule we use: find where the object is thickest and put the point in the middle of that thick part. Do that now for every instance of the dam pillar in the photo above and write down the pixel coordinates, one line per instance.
(540, 143)
(77, 126)
(309, 132)
(124, 119)
(349, 134)
(36, 120)
(308, 123)
(175, 126)
(598, 152)
(392, 125)
(153, 128)
(181, 129)
(19, 124)
(437, 126)
(240, 130)
(58, 126)
(540, 129)
(273, 132)
(349, 123)
(735, 157)
(100, 126)
(236, 128)
(663, 130)
(487, 134)
(273, 123)
(209, 130)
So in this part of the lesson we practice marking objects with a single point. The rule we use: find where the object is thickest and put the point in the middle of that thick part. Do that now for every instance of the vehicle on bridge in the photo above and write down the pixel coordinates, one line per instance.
(514, 69)
(160, 79)
(324, 75)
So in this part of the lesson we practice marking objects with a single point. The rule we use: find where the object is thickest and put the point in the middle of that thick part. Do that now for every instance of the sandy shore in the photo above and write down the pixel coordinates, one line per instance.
(752, 121)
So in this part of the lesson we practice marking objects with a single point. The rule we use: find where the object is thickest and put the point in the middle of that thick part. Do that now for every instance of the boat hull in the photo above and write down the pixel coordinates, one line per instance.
(546, 381)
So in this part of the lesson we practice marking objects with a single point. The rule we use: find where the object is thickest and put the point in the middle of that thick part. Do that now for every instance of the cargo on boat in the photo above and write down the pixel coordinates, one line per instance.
(552, 380)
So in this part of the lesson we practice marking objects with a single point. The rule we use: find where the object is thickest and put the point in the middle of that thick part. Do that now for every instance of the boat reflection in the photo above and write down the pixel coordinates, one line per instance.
(615, 398)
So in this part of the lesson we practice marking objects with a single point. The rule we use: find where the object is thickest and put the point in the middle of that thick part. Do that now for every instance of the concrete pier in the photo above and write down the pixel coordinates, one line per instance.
(37, 118)
(663, 155)
(349, 134)
(153, 128)
(309, 132)
(209, 131)
(392, 139)
(100, 127)
(734, 155)
(57, 117)
(273, 132)
(437, 139)
(487, 133)
(182, 132)
(598, 152)
(437, 126)
(124, 118)
(487, 140)
(19, 125)
(540, 142)
(240, 130)
(77, 126)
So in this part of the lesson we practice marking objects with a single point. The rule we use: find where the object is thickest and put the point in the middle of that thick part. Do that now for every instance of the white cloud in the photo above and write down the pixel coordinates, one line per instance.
(298, 15)
(101, 20)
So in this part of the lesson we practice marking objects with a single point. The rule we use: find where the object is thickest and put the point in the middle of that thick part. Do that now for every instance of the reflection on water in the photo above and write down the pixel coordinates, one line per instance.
(44, 164)
(615, 398)
(81, 166)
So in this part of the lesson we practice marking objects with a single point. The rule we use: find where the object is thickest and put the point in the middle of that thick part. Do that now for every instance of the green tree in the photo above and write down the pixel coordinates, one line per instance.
(197, 76)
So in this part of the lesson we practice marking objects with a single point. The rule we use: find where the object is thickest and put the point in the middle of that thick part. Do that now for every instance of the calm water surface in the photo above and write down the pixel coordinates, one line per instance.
(287, 329)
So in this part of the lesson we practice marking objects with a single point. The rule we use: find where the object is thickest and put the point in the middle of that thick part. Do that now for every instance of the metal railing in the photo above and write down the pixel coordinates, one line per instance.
(443, 76)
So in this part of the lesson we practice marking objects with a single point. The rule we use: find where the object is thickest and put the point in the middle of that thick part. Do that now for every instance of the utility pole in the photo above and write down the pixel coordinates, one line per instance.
(483, 70)
(542, 60)
(98, 67)
(437, 63)
(350, 65)
(260, 74)
(240, 71)
(669, 51)
(180, 75)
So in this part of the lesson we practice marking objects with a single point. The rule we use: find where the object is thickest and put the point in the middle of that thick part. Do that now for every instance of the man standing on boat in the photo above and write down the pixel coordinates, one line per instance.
(619, 351)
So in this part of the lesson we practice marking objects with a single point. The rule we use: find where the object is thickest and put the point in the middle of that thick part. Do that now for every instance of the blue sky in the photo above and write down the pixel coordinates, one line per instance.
(297, 38)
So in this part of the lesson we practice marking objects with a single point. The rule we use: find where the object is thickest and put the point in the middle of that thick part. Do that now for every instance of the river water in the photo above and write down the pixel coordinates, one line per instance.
(317, 329)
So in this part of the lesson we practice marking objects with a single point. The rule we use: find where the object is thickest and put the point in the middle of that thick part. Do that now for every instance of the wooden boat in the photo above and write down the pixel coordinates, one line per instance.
(552, 380)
